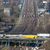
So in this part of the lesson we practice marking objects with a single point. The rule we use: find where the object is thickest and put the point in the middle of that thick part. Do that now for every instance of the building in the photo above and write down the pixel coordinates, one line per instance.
(9, 2)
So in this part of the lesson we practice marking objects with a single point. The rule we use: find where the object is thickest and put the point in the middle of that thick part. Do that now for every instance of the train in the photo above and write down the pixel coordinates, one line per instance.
(30, 36)
(38, 36)
(19, 36)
